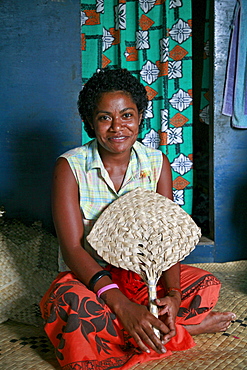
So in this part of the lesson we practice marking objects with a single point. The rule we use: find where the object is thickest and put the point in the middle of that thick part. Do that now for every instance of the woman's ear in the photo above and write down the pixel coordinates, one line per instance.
(90, 123)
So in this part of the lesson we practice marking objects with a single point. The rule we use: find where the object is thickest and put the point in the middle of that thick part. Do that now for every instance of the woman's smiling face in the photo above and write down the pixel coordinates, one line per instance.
(116, 122)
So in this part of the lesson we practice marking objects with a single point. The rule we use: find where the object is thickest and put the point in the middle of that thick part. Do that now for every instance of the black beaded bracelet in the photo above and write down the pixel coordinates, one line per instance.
(96, 277)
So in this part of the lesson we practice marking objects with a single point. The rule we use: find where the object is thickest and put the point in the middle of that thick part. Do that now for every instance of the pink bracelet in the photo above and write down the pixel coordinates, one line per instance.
(105, 288)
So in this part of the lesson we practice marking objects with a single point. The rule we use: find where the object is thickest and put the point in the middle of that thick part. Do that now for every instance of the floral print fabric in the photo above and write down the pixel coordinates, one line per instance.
(152, 39)
(87, 335)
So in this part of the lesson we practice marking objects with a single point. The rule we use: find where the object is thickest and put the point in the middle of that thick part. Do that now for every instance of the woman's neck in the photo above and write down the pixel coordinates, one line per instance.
(116, 165)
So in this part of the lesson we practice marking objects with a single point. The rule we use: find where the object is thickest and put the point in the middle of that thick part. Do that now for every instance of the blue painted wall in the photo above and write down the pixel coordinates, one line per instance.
(40, 80)
(40, 63)
(229, 155)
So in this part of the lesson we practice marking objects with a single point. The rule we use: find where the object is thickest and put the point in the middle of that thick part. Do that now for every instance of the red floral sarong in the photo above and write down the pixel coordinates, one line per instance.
(87, 335)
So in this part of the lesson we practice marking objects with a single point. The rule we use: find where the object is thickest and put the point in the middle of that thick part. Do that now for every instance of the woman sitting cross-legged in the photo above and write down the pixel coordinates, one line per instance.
(95, 328)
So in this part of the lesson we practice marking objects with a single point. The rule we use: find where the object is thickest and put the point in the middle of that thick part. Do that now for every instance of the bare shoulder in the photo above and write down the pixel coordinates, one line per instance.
(64, 186)
(164, 186)
(62, 170)
(61, 164)
(166, 164)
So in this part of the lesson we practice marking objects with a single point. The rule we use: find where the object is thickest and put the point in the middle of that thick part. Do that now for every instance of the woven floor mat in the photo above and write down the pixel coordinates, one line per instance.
(25, 347)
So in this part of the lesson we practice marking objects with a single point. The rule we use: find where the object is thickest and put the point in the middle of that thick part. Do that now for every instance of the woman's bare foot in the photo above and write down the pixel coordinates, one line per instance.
(214, 322)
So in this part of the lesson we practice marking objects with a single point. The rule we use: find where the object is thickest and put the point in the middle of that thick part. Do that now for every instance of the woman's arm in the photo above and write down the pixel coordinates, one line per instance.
(164, 186)
(69, 225)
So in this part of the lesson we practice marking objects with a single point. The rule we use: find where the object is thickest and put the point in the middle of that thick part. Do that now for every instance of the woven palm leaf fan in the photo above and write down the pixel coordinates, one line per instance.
(144, 232)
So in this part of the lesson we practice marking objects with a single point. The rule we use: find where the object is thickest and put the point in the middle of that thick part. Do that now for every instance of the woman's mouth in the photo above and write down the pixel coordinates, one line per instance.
(117, 138)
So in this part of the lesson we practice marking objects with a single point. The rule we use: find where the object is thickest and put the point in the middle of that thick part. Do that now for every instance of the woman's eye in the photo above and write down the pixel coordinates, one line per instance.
(127, 115)
(104, 118)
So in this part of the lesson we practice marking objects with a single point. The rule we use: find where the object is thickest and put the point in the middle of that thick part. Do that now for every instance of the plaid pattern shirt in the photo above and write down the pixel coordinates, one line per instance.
(96, 189)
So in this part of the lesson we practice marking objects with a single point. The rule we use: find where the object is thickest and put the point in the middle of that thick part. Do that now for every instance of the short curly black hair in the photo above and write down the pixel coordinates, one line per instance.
(106, 80)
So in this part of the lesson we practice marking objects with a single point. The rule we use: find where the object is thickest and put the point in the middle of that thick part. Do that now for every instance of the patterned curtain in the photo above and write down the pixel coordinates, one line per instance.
(152, 39)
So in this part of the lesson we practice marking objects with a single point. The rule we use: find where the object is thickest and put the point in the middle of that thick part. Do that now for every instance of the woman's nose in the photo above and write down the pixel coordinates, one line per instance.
(116, 124)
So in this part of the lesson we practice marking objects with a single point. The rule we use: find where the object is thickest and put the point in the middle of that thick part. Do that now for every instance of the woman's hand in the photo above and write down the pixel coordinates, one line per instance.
(137, 321)
(168, 309)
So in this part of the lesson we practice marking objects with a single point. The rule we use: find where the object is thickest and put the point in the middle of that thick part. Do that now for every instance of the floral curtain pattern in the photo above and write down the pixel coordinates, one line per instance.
(152, 39)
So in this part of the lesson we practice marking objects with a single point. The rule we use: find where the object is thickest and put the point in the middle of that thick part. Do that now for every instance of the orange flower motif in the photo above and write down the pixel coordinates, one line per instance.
(145, 22)
(163, 138)
(83, 41)
(178, 53)
(190, 92)
(178, 120)
(93, 17)
(163, 67)
(131, 54)
(116, 35)
(105, 61)
(159, 2)
(180, 183)
(151, 93)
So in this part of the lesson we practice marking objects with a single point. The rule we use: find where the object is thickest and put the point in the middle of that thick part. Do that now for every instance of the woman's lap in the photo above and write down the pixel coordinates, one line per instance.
(85, 332)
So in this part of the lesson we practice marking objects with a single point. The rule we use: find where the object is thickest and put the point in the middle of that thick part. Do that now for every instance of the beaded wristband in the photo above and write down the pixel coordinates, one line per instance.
(174, 289)
(105, 288)
(96, 277)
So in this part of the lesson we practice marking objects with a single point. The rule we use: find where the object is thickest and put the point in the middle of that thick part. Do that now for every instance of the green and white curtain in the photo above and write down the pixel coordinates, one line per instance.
(152, 39)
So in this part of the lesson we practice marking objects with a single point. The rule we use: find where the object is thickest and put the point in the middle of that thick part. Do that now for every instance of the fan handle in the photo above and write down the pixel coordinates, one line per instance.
(152, 306)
